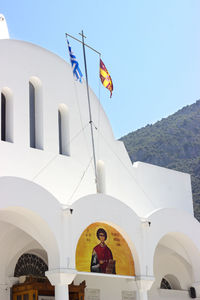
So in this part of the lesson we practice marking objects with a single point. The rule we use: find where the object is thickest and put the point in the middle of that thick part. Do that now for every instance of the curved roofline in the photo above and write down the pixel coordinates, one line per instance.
(36, 46)
(56, 56)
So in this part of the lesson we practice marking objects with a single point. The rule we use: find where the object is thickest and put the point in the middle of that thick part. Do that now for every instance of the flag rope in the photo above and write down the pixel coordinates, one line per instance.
(125, 167)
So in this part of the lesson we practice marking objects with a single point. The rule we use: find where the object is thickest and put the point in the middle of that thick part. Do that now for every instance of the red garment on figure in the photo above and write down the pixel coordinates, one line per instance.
(103, 253)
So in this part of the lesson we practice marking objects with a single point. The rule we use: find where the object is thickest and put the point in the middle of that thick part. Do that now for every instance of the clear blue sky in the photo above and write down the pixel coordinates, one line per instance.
(150, 47)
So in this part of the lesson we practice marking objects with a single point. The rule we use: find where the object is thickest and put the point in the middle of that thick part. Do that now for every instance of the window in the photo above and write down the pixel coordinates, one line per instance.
(6, 115)
(30, 264)
(35, 113)
(3, 117)
(63, 130)
(32, 114)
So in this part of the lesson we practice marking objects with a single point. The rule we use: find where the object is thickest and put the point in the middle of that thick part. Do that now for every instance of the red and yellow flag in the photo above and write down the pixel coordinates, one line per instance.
(105, 78)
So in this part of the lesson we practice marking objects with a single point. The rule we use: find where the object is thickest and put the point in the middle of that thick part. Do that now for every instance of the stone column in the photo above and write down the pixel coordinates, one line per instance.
(143, 284)
(61, 278)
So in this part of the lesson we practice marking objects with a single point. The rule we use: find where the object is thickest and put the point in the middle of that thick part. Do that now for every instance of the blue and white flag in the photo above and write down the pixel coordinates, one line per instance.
(75, 66)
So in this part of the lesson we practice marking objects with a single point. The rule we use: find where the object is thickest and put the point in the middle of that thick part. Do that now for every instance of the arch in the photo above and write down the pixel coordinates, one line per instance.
(15, 242)
(176, 241)
(106, 209)
(170, 281)
(63, 129)
(24, 206)
(6, 115)
(172, 263)
(30, 264)
(29, 246)
(35, 113)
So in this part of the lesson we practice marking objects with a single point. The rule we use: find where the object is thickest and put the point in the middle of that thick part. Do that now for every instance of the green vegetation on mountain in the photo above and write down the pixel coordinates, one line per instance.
(173, 142)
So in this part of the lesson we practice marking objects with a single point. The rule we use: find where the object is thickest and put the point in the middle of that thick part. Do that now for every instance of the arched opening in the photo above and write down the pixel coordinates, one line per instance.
(175, 265)
(170, 282)
(63, 130)
(35, 113)
(30, 265)
(30, 270)
(6, 115)
(17, 251)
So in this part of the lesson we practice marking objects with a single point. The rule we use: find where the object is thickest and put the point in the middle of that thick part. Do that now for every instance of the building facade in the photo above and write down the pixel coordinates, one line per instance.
(51, 209)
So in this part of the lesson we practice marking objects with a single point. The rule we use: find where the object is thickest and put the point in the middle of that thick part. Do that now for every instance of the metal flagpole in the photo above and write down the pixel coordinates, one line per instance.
(88, 96)
(90, 114)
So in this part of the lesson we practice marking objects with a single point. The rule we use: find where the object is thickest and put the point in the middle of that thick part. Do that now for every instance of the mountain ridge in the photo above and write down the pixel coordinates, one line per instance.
(174, 143)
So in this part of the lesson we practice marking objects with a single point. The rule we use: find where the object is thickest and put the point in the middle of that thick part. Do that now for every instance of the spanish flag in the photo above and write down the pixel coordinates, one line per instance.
(105, 78)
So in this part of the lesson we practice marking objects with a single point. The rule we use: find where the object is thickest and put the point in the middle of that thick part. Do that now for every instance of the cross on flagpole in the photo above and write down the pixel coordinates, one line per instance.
(67, 34)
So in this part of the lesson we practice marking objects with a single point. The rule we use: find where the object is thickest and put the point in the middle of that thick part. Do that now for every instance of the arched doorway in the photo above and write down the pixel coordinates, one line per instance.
(30, 270)
(20, 256)
(174, 266)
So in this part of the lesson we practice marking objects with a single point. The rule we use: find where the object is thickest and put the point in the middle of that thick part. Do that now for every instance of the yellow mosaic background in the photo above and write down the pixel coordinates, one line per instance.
(116, 243)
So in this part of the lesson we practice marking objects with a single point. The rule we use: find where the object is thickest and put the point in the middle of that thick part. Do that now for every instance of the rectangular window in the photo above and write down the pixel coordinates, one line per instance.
(3, 117)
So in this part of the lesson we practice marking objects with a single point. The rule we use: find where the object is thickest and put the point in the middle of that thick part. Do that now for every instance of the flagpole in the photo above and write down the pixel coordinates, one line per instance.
(90, 114)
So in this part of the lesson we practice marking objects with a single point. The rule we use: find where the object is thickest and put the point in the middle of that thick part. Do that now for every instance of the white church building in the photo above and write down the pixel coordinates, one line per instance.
(134, 237)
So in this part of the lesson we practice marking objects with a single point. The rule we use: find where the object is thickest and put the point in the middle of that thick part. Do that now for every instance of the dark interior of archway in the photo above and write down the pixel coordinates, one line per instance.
(165, 284)
(30, 265)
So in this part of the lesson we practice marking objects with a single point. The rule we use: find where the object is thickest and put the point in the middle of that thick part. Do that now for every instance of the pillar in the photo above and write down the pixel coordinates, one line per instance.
(143, 284)
(61, 278)
(61, 292)
(142, 295)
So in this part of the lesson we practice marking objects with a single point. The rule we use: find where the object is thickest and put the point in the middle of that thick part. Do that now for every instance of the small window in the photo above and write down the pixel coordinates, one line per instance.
(3, 117)
(63, 130)
(32, 114)
(35, 113)
(6, 115)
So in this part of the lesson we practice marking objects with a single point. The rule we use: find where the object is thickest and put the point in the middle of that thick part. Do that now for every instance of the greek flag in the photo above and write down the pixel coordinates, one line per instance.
(75, 66)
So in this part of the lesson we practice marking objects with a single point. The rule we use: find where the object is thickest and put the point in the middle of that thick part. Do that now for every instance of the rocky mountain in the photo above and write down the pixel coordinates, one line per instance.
(173, 142)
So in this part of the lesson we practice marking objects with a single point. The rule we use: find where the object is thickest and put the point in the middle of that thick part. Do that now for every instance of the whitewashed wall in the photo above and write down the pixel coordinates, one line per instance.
(150, 206)
(142, 187)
